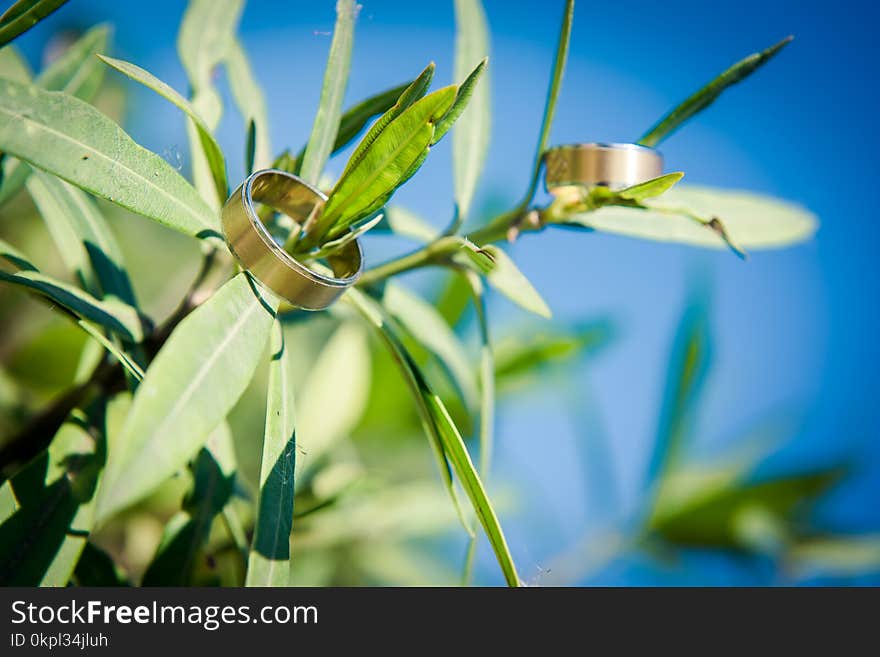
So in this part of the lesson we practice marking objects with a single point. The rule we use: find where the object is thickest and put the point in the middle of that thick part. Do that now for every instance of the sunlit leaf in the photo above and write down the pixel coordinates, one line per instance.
(708, 94)
(506, 277)
(212, 151)
(326, 125)
(423, 322)
(72, 140)
(650, 188)
(269, 560)
(753, 221)
(405, 223)
(13, 66)
(191, 385)
(251, 103)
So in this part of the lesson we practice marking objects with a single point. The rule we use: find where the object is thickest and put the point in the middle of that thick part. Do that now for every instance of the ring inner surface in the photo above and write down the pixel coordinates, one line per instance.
(298, 202)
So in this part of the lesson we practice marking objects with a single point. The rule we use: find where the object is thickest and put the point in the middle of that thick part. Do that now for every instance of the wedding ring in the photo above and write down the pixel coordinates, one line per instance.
(256, 251)
(611, 165)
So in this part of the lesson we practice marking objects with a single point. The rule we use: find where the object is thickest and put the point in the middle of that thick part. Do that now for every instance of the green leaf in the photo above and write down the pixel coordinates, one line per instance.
(425, 324)
(686, 371)
(386, 164)
(112, 314)
(714, 520)
(415, 91)
(403, 222)
(441, 428)
(191, 385)
(213, 473)
(752, 221)
(835, 556)
(72, 140)
(13, 66)
(532, 352)
(334, 395)
(23, 15)
(552, 97)
(487, 377)
(251, 103)
(82, 236)
(326, 125)
(130, 365)
(650, 188)
(48, 509)
(207, 34)
(210, 147)
(506, 277)
(77, 72)
(269, 560)
(708, 94)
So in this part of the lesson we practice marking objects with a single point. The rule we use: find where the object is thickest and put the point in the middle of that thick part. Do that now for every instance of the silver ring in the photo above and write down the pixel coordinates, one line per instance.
(256, 251)
(611, 165)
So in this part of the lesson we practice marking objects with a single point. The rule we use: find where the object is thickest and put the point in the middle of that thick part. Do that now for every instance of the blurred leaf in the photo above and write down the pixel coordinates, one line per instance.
(23, 15)
(191, 385)
(207, 34)
(44, 532)
(552, 97)
(714, 520)
(487, 377)
(423, 322)
(72, 140)
(470, 140)
(835, 556)
(212, 151)
(13, 66)
(689, 361)
(251, 103)
(386, 164)
(326, 125)
(112, 314)
(751, 220)
(77, 72)
(707, 95)
(84, 240)
(506, 277)
(439, 425)
(185, 534)
(405, 223)
(269, 561)
(334, 394)
(531, 352)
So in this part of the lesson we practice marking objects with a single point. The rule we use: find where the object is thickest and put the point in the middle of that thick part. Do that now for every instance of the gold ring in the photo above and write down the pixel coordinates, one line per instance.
(611, 165)
(256, 251)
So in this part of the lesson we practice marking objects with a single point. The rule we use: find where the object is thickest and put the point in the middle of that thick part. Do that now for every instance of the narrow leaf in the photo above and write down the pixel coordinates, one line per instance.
(487, 377)
(425, 324)
(651, 188)
(112, 314)
(23, 15)
(552, 97)
(269, 560)
(83, 237)
(212, 151)
(386, 163)
(440, 425)
(326, 125)
(707, 95)
(251, 103)
(752, 221)
(77, 72)
(506, 277)
(72, 140)
(191, 385)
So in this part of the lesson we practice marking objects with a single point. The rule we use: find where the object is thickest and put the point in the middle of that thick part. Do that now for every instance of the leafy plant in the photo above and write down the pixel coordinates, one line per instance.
(159, 417)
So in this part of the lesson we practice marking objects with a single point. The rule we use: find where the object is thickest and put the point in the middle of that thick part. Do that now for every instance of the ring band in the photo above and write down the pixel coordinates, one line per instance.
(258, 253)
(611, 165)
